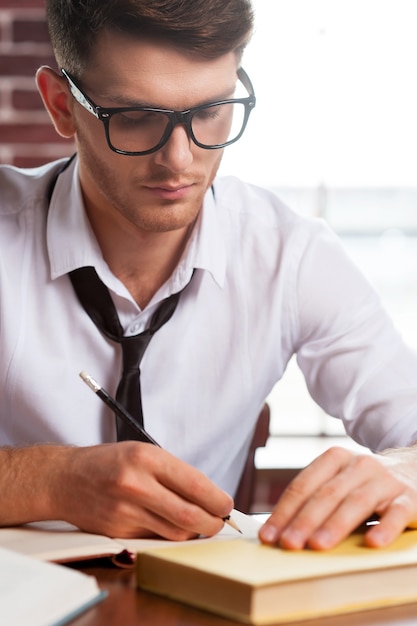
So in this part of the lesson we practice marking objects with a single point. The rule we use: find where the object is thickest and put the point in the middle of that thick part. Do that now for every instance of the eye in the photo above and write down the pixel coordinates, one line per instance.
(135, 117)
(139, 120)
(210, 113)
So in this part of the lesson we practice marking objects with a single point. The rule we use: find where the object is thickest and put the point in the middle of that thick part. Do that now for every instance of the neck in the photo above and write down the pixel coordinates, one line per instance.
(143, 261)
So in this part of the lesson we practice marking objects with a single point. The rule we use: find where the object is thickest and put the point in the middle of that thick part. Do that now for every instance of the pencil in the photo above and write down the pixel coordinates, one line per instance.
(117, 408)
(121, 412)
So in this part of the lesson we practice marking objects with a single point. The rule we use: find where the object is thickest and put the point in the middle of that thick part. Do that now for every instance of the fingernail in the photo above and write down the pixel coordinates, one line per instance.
(321, 539)
(269, 534)
(377, 537)
(292, 539)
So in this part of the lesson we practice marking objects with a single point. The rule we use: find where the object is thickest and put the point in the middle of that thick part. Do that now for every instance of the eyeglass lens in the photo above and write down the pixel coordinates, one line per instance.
(137, 131)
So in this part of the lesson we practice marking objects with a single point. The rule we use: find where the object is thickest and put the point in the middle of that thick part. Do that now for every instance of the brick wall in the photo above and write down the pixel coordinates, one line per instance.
(27, 137)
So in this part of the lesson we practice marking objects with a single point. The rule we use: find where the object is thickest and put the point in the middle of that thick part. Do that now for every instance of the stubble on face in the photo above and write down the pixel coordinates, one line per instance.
(118, 187)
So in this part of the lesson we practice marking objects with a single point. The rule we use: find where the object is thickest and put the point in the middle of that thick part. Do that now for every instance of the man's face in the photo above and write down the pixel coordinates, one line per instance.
(161, 191)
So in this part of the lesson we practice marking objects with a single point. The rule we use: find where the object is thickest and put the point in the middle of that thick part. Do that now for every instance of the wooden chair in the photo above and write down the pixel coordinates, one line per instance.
(246, 490)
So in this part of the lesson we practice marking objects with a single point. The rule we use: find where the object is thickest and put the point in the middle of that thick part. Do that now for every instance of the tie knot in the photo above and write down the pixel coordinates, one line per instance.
(133, 349)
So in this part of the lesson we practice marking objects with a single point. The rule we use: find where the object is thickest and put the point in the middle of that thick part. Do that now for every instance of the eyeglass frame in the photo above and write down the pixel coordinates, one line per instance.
(175, 118)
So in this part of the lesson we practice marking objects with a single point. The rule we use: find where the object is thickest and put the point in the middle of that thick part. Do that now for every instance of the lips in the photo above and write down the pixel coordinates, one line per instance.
(170, 191)
(170, 186)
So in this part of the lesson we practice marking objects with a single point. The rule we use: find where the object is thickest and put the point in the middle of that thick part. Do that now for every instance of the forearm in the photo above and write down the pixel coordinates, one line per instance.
(29, 483)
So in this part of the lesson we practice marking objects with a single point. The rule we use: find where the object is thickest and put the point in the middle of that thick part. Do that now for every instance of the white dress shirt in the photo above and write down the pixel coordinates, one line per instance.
(268, 283)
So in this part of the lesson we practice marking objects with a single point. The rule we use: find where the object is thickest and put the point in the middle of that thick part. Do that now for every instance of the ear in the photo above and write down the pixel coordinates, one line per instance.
(57, 100)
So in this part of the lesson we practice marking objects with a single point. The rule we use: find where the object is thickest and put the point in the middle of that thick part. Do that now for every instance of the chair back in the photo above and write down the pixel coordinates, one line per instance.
(244, 498)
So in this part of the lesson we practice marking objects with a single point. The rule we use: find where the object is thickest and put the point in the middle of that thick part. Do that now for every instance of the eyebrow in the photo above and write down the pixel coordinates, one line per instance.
(123, 101)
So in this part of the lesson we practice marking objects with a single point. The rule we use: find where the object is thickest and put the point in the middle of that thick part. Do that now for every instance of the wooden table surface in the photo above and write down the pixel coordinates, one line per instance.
(127, 606)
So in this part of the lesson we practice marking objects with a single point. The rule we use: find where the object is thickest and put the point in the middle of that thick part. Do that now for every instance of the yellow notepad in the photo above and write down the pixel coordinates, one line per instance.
(259, 584)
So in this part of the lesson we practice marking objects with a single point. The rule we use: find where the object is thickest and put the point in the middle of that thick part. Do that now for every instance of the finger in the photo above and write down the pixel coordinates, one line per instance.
(150, 500)
(393, 520)
(194, 487)
(336, 507)
(145, 467)
(132, 522)
(185, 516)
(358, 505)
(301, 489)
(157, 527)
(147, 508)
(180, 494)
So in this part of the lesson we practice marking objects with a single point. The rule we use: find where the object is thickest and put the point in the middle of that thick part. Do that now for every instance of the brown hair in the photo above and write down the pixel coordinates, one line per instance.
(209, 28)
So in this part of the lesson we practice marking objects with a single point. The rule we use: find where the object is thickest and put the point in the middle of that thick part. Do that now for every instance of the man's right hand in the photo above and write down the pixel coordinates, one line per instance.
(126, 489)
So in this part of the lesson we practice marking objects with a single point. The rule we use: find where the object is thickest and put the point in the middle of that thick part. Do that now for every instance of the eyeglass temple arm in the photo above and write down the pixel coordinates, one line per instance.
(246, 81)
(78, 94)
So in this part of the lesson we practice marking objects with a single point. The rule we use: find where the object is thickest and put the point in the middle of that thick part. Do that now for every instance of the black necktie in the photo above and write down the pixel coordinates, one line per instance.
(97, 302)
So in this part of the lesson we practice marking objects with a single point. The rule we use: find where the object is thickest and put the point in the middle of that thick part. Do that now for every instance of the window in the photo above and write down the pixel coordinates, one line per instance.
(334, 133)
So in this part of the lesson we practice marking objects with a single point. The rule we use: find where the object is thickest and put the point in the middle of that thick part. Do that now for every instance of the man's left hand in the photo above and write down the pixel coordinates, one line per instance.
(338, 491)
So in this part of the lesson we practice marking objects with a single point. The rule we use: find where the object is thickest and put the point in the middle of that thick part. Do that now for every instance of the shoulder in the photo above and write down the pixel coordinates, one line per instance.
(21, 188)
(242, 198)
(253, 209)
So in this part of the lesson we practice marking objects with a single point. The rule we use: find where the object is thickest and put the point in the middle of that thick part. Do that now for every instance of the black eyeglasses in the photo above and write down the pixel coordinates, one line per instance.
(139, 130)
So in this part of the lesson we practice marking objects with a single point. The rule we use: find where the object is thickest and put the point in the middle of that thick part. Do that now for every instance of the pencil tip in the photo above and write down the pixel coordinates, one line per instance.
(228, 520)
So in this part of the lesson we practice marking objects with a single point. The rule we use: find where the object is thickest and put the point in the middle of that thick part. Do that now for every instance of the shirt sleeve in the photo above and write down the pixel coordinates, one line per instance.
(356, 364)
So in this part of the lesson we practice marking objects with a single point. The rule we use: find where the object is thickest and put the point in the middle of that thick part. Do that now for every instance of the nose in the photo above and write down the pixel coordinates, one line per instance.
(176, 154)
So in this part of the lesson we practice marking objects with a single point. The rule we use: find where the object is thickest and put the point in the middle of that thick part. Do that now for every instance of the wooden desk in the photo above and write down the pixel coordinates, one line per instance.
(126, 606)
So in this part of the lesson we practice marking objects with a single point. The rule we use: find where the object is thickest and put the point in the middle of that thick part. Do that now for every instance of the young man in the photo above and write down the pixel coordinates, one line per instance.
(145, 89)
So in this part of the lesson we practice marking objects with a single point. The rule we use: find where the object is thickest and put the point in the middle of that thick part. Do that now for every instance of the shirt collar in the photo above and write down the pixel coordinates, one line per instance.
(70, 240)
(72, 244)
(206, 249)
